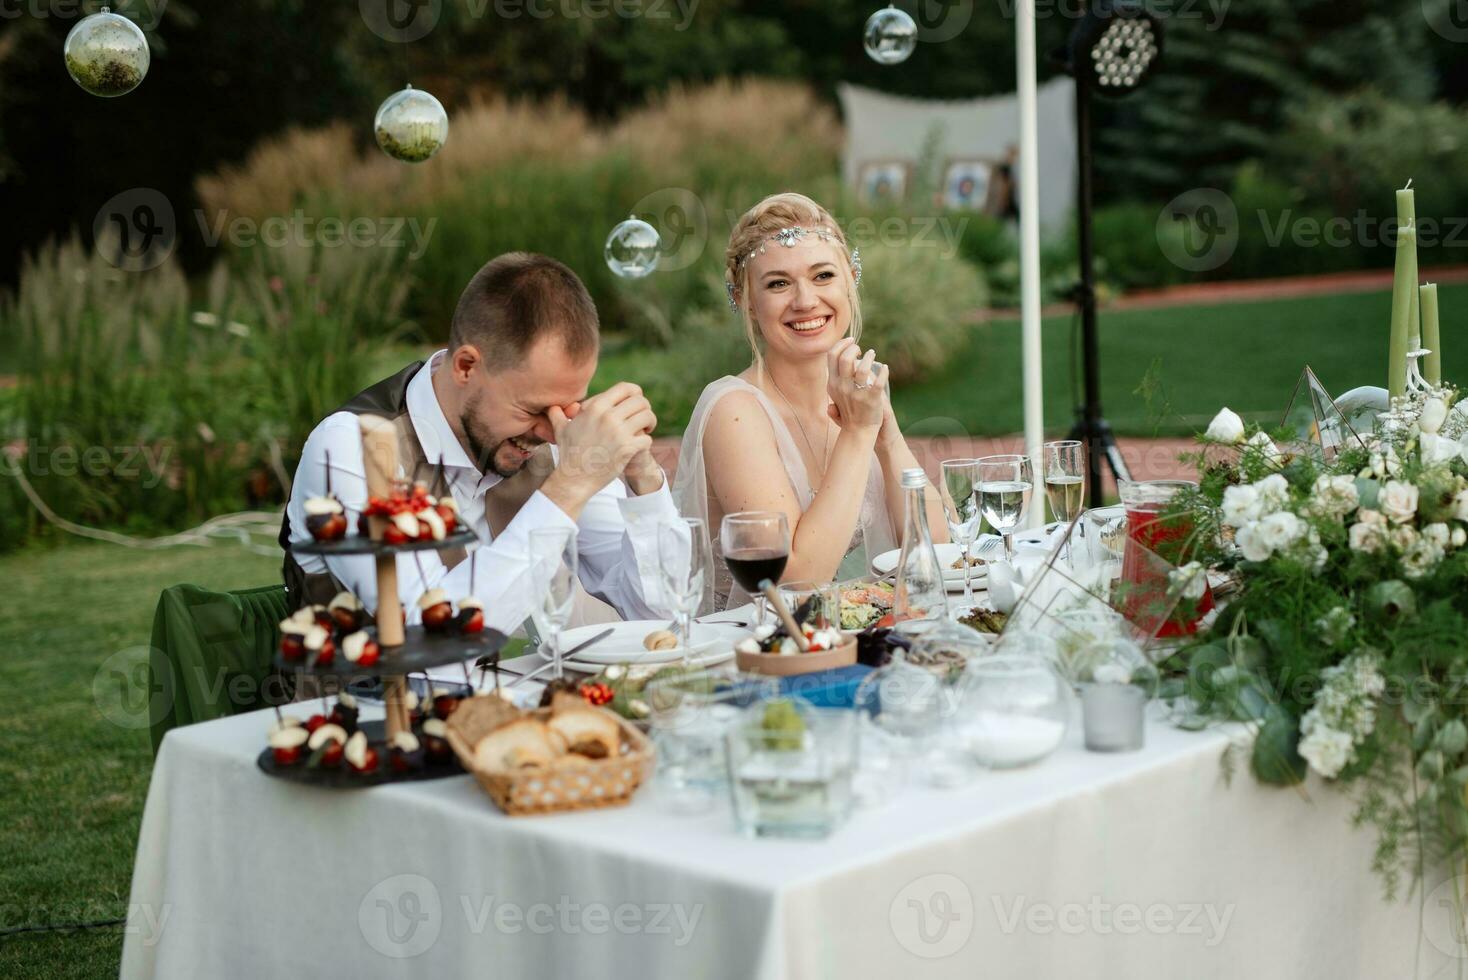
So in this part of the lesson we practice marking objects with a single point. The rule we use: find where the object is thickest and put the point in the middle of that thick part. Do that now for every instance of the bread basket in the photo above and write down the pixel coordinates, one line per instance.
(576, 783)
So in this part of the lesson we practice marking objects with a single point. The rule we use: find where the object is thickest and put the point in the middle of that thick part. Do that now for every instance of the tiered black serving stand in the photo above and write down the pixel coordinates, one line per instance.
(405, 649)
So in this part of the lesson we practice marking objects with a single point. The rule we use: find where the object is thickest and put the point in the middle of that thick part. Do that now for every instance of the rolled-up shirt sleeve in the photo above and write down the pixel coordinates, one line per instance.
(618, 547)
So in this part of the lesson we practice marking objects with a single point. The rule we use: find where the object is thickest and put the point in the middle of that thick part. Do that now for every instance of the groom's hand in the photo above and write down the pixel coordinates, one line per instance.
(597, 446)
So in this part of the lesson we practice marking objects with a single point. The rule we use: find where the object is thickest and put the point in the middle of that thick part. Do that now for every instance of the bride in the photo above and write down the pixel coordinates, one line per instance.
(807, 429)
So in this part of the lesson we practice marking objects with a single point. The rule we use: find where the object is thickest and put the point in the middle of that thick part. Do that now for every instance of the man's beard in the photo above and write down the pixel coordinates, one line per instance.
(488, 458)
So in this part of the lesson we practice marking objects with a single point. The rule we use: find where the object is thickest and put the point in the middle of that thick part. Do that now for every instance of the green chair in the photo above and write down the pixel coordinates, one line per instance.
(211, 655)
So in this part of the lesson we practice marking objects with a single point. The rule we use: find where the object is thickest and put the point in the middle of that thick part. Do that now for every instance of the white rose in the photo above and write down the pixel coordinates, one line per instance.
(1438, 534)
(1241, 505)
(1437, 449)
(1252, 544)
(1111, 674)
(1459, 537)
(1367, 537)
(1327, 751)
(1398, 501)
(1280, 530)
(1460, 505)
(1402, 536)
(1335, 496)
(1191, 580)
(1368, 516)
(1274, 493)
(1420, 559)
(1262, 442)
(1226, 427)
(1434, 413)
(1384, 463)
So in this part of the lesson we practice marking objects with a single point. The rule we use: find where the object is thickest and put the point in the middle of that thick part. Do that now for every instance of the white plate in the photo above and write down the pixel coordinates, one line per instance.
(624, 645)
(886, 562)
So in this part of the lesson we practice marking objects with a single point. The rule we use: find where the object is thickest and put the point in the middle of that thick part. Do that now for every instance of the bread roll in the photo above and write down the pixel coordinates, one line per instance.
(521, 744)
(588, 732)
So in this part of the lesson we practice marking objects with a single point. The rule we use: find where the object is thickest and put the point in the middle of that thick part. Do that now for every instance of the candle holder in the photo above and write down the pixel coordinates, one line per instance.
(1417, 384)
(1113, 716)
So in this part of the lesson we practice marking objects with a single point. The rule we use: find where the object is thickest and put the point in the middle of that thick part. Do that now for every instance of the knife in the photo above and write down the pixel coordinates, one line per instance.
(564, 657)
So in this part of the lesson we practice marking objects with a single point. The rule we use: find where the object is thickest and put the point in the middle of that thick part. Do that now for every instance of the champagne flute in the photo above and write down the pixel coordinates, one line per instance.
(686, 569)
(1065, 484)
(961, 508)
(553, 560)
(756, 546)
(1004, 494)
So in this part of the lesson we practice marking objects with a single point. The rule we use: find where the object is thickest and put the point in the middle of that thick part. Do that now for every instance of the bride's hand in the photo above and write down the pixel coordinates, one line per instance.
(856, 386)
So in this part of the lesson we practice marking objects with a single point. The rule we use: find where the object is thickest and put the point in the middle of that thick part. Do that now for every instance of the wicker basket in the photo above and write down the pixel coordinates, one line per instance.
(581, 784)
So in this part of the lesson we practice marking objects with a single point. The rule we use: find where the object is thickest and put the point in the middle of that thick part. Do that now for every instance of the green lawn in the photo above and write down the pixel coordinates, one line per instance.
(1244, 355)
(73, 783)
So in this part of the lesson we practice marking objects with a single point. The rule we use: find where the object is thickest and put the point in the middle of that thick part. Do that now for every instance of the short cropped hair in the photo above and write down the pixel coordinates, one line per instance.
(516, 299)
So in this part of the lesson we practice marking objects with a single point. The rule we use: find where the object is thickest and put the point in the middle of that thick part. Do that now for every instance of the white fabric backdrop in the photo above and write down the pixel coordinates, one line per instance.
(1047, 872)
(894, 127)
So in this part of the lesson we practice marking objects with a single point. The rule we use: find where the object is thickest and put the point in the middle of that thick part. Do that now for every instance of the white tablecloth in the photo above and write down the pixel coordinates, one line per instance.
(1144, 865)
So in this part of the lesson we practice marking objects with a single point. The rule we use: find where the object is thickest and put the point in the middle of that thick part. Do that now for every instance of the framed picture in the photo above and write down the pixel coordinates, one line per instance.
(968, 183)
(883, 181)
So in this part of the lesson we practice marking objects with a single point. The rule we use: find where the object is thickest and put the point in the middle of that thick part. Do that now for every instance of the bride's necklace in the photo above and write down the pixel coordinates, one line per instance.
(826, 457)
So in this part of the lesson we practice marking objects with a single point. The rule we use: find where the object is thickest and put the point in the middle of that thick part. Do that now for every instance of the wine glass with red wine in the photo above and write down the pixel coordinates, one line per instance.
(756, 546)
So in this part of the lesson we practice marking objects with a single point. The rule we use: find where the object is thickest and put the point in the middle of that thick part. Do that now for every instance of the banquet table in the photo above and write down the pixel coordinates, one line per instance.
(1148, 864)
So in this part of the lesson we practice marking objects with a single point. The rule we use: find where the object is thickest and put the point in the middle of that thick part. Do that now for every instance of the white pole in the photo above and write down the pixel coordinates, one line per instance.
(1029, 246)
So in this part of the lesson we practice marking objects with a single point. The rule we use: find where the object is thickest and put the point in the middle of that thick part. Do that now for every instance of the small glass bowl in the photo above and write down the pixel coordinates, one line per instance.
(1013, 710)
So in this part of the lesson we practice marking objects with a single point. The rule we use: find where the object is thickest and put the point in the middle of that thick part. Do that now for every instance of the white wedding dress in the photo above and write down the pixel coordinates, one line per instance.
(874, 533)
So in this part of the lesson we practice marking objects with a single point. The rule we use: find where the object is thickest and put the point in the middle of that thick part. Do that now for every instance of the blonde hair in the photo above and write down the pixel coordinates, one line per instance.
(759, 223)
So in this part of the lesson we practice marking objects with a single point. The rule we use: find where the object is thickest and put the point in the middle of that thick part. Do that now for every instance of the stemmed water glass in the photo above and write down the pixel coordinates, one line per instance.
(1065, 483)
(553, 560)
(961, 508)
(686, 570)
(1005, 485)
(756, 547)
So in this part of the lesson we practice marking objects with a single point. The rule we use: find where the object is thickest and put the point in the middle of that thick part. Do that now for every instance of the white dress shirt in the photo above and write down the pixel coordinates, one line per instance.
(616, 536)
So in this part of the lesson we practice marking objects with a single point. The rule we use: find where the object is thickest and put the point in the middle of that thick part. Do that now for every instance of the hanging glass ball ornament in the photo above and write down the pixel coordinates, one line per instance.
(890, 36)
(633, 248)
(107, 54)
(411, 125)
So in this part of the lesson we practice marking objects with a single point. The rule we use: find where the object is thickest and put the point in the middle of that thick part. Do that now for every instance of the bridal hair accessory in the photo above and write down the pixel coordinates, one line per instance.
(733, 303)
(856, 266)
(789, 237)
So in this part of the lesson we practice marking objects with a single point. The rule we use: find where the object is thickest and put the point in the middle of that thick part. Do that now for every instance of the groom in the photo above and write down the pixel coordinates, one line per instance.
(503, 415)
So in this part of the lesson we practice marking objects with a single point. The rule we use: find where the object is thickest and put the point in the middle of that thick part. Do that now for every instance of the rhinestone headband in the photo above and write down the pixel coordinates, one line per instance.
(789, 237)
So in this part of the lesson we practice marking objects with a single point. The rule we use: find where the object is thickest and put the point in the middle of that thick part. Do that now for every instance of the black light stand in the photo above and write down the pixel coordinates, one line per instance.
(1116, 44)
(1090, 426)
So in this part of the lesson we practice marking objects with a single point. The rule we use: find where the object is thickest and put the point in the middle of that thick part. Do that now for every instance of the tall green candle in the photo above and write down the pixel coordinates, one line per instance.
(1407, 215)
(1403, 287)
(1432, 365)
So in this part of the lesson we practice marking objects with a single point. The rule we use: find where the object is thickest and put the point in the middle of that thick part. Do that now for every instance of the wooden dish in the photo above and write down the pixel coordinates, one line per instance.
(788, 665)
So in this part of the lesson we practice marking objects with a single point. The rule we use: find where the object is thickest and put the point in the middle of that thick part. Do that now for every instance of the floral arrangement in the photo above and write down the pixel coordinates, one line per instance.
(1345, 645)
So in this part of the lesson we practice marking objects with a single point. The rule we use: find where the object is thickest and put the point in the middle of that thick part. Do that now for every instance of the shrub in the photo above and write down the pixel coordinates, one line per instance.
(917, 307)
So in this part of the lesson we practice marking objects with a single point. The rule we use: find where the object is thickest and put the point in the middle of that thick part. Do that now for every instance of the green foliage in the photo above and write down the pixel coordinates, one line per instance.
(141, 408)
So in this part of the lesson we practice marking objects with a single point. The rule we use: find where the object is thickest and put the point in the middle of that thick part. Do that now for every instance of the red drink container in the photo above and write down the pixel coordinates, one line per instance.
(1153, 549)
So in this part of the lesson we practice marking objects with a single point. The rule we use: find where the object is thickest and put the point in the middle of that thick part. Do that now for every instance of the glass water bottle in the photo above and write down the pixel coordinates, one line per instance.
(920, 589)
